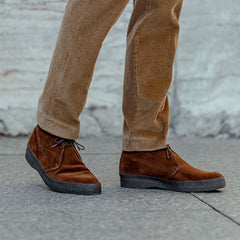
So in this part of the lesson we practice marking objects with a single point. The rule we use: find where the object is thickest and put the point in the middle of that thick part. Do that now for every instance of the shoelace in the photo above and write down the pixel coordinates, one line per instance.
(169, 152)
(67, 143)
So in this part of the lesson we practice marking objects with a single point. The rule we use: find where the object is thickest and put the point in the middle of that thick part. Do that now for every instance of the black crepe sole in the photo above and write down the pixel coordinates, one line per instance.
(58, 186)
(146, 182)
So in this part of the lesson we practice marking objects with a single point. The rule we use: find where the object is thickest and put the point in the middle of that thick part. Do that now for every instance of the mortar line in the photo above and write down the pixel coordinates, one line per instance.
(216, 210)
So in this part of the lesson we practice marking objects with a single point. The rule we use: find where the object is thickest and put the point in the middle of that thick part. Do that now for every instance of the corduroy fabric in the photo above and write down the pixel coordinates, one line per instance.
(151, 46)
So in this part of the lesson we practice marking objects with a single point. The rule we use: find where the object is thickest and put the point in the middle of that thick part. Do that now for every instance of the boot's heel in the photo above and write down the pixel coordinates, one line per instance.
(136, 181)
(30, 159)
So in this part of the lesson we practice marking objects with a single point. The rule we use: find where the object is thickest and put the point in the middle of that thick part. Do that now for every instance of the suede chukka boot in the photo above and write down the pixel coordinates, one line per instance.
(165, 169)
(59, 164)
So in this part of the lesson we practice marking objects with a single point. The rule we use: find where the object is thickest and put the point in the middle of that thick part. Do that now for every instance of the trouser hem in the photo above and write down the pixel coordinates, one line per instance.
(57, 128)
(142, 144)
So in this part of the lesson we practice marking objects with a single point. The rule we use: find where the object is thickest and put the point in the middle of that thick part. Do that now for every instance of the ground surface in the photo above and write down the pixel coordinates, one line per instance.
(30, 211)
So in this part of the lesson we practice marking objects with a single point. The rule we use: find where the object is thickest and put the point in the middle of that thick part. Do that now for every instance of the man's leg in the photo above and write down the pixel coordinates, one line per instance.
(84, 27)
(152, 42)
(147, 161)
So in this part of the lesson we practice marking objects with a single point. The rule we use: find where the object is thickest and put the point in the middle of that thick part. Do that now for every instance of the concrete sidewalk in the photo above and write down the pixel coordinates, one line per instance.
(30, 211)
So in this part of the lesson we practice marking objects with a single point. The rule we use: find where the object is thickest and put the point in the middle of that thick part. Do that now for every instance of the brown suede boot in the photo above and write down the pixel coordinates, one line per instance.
(166, 170)
(59, 164)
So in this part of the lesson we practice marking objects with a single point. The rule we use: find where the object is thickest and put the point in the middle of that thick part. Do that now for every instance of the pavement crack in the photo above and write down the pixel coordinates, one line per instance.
(216, 210)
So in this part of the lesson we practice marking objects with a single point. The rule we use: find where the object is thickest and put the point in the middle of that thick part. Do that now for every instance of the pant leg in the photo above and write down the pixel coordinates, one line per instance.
(84, 27)
(151, 46)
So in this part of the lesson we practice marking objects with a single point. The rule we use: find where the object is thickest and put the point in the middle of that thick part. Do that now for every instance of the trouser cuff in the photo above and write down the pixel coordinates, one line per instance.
(57, 128)
(142, 144)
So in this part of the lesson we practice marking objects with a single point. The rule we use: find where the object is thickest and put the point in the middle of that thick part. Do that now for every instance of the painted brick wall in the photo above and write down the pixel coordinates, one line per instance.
(205, 94)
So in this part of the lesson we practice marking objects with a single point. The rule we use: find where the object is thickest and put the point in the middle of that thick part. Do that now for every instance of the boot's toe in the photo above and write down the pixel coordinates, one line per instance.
(80, 178)
(214, 175)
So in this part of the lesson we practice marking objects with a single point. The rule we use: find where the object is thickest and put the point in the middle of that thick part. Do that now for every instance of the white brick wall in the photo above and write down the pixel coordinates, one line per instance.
(205, 94)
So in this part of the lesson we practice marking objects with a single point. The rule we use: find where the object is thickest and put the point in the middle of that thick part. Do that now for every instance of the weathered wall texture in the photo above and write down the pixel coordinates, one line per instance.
(205, 93)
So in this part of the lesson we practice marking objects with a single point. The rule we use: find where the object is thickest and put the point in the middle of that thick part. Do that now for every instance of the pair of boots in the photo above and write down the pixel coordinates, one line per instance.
(58, 162)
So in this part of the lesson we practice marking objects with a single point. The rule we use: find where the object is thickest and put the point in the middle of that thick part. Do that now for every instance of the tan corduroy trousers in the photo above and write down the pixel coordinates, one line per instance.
(152, 39)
